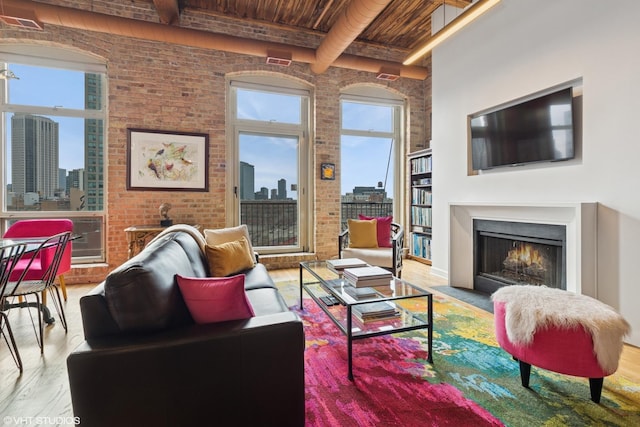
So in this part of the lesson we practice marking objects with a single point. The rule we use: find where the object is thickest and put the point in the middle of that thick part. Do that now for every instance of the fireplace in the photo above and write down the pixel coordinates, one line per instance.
(518, 253)
(579, 220)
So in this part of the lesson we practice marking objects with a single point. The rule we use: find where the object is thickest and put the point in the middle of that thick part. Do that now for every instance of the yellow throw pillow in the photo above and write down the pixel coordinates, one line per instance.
(363, 233)
(224, 235)
(229, 258)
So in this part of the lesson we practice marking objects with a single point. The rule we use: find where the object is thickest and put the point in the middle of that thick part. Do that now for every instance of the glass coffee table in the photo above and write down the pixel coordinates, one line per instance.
(320, 282)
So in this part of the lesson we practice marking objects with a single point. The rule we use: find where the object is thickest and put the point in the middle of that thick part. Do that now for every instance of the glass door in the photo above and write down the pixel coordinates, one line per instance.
(268, 190)
(270, 165)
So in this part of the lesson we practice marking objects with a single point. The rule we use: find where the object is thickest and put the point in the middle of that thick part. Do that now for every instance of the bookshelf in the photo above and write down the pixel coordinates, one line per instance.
(420, 165)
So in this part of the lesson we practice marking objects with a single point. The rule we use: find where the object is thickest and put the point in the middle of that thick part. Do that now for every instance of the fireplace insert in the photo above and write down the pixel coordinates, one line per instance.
(518, 253)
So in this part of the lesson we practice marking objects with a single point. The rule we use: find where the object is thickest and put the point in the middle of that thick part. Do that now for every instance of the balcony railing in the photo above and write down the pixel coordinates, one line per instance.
(271, 222)
(350, 210)
(275, 222)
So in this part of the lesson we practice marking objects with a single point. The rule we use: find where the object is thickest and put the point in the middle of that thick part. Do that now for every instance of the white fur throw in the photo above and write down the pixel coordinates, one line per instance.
(529, 308)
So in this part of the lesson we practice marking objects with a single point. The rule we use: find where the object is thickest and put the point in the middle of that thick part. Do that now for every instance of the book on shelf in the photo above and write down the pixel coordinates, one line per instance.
(360, 293)
(421, 165)
(338, 265)
(421, 181)
(367, 276)
(420, 196)
(421, 216)
(421, 246)
(375, 311)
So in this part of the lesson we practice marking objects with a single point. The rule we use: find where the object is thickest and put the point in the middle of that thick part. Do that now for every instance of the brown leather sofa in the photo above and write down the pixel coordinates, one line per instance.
(144, 362)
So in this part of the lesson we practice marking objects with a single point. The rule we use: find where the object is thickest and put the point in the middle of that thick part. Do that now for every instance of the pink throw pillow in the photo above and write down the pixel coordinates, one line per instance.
(215, 299)
(384, 229)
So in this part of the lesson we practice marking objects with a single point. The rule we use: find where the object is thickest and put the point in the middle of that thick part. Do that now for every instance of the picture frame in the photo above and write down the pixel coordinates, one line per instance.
(168, 161)
(327, 171)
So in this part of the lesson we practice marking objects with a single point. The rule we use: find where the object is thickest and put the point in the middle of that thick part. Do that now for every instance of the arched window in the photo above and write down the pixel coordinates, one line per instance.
(269, 123)
(371, 141)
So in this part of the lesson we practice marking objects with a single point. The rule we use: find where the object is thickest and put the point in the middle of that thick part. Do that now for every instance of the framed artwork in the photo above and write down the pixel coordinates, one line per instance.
(328, 171)
(162, 160)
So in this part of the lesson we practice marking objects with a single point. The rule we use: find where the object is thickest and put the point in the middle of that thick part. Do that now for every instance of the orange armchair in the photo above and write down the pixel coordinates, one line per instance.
(41, 228)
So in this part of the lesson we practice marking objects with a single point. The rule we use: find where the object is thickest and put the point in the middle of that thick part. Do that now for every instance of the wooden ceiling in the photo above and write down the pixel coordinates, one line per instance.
(384, 31)
(402, 24)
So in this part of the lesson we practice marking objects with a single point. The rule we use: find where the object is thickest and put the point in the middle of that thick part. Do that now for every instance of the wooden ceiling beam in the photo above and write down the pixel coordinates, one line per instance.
(128, 27)
(168, 11)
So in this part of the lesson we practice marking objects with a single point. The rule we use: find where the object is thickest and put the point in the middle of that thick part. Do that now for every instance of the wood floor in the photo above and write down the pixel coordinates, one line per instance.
(43, 389)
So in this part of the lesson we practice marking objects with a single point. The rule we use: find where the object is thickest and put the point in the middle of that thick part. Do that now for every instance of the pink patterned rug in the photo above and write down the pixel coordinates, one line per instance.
(388, 389)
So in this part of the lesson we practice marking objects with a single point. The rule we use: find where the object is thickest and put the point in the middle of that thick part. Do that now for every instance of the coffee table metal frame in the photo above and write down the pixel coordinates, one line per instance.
(321, 281)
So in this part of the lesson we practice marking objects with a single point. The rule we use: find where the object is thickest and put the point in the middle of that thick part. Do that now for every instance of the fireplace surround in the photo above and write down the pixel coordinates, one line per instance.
(579, 219)
(518, 253)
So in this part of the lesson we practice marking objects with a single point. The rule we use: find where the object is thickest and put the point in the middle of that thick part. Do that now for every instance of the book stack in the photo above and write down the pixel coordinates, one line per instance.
(360, 293)
(361, 277)
(375, 311)
(338, 265)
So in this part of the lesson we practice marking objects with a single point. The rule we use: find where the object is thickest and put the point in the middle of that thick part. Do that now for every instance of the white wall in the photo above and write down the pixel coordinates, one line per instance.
(520, 47)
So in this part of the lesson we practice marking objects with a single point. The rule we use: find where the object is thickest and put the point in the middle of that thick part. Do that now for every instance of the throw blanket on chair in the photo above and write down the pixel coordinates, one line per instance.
(529, 308)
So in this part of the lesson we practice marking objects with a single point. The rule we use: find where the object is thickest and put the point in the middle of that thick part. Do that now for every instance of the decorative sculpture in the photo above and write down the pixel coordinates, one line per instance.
(164, 213)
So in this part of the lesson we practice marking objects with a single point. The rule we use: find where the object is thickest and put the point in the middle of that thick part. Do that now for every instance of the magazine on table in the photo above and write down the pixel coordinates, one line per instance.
(338, 265)
(360, 293)
(375, 311)
(367, 276)
(370, 271)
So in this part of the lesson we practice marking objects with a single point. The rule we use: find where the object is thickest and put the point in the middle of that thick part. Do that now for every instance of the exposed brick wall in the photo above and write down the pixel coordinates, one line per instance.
(164, 86)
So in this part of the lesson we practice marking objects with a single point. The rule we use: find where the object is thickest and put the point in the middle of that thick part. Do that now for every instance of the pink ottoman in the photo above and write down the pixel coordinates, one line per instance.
(559, 331)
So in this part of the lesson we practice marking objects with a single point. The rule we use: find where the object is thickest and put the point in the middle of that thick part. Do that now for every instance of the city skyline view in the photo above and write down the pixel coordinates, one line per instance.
(364, 161)
(46, 87)
(252, 192)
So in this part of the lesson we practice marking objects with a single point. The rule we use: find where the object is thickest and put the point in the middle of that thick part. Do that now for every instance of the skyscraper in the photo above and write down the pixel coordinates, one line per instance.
(62, 182)
(34, 155)
(282, 189)
(94, 145)
(247, 181)
(75, 180)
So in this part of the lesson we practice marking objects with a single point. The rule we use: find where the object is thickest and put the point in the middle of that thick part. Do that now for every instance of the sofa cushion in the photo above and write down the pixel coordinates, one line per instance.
(257, 277)
(142, 294)
(229, 258)
(362, 233)
(215, 299)
(383, 229)
(230, 234)
(266, 301)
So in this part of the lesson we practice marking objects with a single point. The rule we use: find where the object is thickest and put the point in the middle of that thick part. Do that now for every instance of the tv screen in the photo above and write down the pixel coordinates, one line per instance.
(537, 130)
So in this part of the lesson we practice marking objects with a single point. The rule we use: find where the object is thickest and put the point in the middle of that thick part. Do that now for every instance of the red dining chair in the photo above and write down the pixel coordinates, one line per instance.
(50, 249)
(42, 228)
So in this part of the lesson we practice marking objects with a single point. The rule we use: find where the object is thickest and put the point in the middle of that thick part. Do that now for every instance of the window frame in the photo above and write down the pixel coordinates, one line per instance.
(381, 96)
(285, 85)
(66, 59)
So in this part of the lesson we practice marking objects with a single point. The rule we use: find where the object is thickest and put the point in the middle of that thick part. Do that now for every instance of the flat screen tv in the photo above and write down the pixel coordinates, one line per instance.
(537, 130)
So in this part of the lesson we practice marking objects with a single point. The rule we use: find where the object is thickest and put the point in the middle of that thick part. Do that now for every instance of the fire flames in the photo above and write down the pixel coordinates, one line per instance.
(526, 259)
(526, 255)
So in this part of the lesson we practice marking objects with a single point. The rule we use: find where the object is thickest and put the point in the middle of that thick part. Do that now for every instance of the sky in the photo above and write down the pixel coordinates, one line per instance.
(364, 159)
(49, 87)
